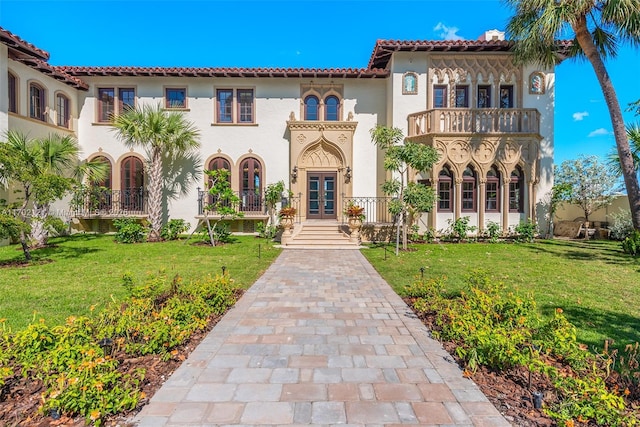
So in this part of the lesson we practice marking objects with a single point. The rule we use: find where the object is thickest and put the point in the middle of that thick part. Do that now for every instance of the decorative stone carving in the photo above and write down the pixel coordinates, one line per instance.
(342, 138)
(301, 138)
(484, 153)
(459, 152)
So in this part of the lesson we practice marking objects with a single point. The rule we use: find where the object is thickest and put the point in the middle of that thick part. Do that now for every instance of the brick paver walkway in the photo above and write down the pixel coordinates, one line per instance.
(320, 339)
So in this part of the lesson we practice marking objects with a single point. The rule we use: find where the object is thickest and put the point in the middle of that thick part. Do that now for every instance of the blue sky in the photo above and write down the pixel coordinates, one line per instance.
(302, 33)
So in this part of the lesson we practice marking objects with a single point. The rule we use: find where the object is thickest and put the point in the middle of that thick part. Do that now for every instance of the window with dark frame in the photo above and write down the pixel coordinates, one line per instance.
(506, 96)
(62, 107)
(439, 96)
(516, 191)
(126, 99)
(107, 105)
(445, 190)
(224, 105)
(13, 94)
(332, 108)
(245, 105)
(492, 191)
(462, 96)
(175, 97)
(37, 102)
(469, 190)
(484, 96)
(311, 107)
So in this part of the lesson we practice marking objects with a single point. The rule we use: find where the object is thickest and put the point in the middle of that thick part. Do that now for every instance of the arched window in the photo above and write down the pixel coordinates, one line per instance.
(13, 93)
(445, 190)
(218, 163)
(251, 188)
(132, 184)
(469, 190)
(516, 191)
(311, 105)
(101, 191)
(332, 108)
(37, 102)
(62, 108)
(492, 191)
(106, 181)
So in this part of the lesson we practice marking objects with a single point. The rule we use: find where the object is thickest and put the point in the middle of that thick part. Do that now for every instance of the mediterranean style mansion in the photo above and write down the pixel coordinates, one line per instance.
(490, 120)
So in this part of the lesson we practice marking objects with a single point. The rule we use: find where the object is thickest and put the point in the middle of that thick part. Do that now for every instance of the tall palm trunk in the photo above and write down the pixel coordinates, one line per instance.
(619, 131)
(155, 195)
(39, 232)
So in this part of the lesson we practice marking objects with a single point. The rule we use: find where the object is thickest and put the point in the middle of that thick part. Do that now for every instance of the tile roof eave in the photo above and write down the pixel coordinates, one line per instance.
(23, 47)
(79, 71)
(54, 72)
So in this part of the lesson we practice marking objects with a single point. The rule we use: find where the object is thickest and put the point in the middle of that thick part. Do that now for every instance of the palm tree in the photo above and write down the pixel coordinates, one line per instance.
(597, 28)
(45, 169)
(633, 132)
(163, 135)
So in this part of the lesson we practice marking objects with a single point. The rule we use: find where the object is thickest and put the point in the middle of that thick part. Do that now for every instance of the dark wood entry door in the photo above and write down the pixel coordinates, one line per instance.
(321, 195)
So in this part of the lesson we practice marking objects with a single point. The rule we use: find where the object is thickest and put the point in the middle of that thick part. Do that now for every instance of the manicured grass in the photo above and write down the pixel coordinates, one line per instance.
(594, 282)
(85, 269)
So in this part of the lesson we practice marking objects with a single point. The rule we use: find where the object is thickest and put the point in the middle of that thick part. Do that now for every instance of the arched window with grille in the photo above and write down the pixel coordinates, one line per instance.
(492, 191)
(469, 185)
(101, 191)
(332, 108)
(445, 190)
(132, 184)
(37, 102)
(251, 184)
(63, 113)
(516, 191)
(311, 107)
(218, 163)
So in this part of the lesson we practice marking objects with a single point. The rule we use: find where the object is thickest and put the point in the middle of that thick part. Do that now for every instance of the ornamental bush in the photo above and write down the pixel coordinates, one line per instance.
(129, 230)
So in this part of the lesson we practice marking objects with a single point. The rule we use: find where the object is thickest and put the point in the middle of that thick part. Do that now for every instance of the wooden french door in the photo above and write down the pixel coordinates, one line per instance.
(321, 195)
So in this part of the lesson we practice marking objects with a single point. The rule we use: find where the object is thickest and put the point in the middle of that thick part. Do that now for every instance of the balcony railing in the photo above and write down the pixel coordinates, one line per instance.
(474, 120)
(251, 203)
(106, 202)
(376, 209)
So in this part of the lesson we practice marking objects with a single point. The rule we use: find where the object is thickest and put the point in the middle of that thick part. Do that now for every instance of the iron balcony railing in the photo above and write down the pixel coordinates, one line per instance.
(376, 209)
(250, 203)
(474, 120)
(107, 202)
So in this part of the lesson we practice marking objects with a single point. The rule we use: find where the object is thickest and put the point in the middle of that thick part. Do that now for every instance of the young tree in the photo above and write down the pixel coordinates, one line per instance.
(164, 135)
(44, 170)
(592, 185)
(224, 200)
(598, 28)
(400, 157)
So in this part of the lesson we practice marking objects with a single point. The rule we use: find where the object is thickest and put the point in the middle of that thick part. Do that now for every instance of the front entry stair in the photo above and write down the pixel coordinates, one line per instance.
(319, 234)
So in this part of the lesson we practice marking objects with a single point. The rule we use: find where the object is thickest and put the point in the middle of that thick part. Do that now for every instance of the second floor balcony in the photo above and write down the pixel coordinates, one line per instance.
(475, 120)
(105, 202)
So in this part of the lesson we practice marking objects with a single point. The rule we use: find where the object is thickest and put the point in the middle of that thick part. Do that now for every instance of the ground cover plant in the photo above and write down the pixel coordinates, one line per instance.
(96, 366)
(556, 317)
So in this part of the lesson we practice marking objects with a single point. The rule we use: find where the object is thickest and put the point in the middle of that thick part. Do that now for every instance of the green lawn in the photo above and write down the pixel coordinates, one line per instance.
(85, 269)
(594, 282)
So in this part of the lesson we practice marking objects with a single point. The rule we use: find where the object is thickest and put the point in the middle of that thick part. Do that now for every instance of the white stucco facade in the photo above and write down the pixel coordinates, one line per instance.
(430, 90)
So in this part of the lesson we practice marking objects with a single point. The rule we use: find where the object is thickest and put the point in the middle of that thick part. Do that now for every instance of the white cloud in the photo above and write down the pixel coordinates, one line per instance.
(447, 33)
(599, 132)
(579, 116)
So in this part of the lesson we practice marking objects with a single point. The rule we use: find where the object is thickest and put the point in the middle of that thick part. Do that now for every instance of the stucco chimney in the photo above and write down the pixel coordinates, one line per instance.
(492, 35)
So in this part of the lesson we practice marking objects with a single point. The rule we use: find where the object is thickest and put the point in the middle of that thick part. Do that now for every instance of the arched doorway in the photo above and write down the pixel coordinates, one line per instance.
(322, 164)
(132, 184)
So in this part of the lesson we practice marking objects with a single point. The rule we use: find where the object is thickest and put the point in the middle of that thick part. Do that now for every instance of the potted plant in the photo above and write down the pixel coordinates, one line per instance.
(355, 214)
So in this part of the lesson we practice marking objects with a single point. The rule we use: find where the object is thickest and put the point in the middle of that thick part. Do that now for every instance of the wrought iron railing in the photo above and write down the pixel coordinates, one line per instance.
(249, 202)
(475, 120)
(106, 202)
(376, 209)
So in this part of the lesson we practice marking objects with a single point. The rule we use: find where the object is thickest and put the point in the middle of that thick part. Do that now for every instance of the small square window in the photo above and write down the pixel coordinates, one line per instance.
(175, 98)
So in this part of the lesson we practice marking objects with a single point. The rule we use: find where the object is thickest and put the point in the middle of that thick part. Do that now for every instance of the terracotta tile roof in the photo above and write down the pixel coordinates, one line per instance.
(53, 72)
(224, 72)
(385, 48)
(22, 46)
